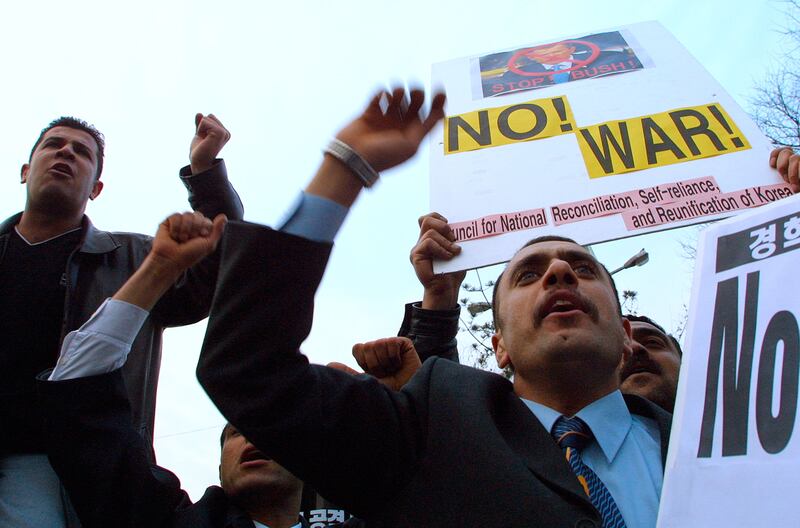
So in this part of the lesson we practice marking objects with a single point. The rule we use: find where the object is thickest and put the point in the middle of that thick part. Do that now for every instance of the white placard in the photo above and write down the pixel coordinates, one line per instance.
(734, 453)
(551, 157)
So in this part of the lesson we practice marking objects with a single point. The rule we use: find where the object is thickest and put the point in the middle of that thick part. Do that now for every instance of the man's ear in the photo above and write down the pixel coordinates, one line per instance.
(627, 347)
(23, 173)
(98, 186)
(219, 470)
(500, 352)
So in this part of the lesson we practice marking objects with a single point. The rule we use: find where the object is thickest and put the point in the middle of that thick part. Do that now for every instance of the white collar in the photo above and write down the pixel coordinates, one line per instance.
(44, 241)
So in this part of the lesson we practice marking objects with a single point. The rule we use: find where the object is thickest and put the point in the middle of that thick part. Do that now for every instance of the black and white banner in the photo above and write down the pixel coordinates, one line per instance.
(735, 450)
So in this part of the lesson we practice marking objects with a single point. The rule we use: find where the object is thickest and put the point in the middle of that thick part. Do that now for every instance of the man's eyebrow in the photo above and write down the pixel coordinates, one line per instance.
(645, 331)
(62, 139)
(83, 146)
(526, 262)
(572, 254)
(566, 254)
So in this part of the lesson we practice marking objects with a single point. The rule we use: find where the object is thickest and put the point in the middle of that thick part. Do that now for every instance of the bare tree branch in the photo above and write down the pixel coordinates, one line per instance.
(776, 104)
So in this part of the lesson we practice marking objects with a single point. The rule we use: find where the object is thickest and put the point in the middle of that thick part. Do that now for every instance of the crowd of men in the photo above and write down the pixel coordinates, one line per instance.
(578, 438)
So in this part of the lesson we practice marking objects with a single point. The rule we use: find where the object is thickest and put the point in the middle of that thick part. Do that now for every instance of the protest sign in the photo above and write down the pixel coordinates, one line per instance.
(733, 455)
(596, 137)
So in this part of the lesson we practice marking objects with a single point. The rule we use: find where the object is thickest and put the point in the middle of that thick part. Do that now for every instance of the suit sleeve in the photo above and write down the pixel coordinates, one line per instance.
(100, 458)
(189, 300)
(432, 331)
(351, 438)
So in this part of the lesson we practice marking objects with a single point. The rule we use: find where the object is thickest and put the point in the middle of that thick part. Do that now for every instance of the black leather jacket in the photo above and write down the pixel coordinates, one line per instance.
(432, 331)
(104, 261)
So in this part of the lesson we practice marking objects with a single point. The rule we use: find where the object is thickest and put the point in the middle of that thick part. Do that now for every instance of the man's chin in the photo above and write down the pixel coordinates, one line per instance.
(640, 383)
(56, 201)
(653, 392)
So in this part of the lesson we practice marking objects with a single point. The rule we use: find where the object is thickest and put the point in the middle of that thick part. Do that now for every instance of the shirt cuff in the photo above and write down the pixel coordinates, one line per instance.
(186, 172)
(314, 218)
(102, 344)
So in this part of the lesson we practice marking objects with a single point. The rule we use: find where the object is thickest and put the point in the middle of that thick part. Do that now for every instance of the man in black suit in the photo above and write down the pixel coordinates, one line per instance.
(456, 446)
(93, 445)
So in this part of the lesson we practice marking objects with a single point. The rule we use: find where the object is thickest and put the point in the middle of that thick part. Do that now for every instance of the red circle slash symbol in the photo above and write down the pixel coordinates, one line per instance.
(576, 63)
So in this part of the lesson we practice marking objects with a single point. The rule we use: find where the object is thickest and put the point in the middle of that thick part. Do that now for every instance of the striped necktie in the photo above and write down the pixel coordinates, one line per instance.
(572, 435)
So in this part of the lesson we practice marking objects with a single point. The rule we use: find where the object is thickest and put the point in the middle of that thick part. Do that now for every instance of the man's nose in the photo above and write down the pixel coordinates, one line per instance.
(66, 151)
(638, 348)
(559, 272)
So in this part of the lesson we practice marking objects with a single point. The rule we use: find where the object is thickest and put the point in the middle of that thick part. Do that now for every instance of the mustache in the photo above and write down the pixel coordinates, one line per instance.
(638, 363)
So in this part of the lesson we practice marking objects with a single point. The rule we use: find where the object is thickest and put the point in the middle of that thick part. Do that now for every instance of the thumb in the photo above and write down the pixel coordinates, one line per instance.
(217, 228)
(408, 352)
(197, 119)
(344, 368)
(410, 363)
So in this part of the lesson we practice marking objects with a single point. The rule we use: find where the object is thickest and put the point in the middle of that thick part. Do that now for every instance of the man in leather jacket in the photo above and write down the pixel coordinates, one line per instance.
(56, 268)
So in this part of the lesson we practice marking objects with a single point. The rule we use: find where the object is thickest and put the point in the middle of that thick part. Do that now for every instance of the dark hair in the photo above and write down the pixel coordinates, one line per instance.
(645, 319)
(537, 240)
(77, 124)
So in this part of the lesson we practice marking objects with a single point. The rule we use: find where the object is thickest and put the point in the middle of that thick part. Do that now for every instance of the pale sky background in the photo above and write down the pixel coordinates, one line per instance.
(284, 77)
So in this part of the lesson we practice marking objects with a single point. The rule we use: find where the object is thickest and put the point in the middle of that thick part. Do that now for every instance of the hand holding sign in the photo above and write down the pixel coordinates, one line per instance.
(388, 138)
(788, 164)
(436, 241)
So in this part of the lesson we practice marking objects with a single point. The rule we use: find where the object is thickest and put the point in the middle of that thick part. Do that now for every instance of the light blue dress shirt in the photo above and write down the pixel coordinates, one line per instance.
(314, 218)
(30, 493)
(626, 455)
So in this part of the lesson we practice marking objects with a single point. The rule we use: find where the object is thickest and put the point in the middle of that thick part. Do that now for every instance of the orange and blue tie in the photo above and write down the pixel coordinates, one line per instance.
(572, 435)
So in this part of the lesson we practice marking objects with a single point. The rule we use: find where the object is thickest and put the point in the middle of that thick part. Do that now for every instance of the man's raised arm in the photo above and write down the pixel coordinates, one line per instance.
(350, 437)
(433, 323)
(100, 458)
(211, 194)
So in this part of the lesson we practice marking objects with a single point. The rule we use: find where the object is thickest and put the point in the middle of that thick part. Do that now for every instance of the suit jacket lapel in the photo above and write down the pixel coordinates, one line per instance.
(533, 443)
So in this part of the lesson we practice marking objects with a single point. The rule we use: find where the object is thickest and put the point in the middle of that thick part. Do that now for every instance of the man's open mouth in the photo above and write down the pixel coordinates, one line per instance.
(562, 302)
(253, 455)
(63, 168)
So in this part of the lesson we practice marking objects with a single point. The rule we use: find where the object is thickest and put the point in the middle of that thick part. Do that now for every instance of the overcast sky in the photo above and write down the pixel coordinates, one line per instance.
(283, 77)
